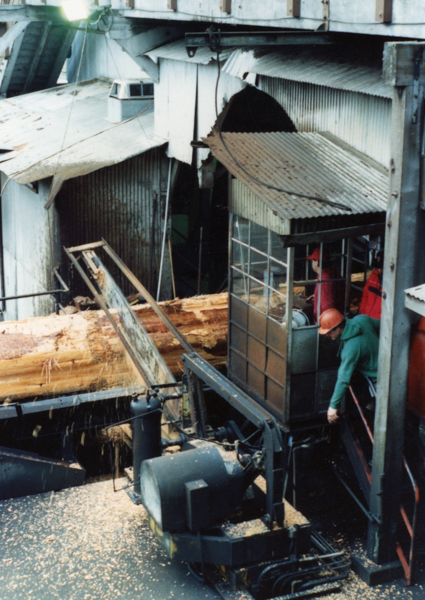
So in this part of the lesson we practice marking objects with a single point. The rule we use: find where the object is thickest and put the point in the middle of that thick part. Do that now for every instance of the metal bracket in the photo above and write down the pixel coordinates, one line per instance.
(262, 419)
(216, 39)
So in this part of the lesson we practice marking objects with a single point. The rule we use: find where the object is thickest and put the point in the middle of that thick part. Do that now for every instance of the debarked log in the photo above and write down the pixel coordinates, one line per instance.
(58, 355)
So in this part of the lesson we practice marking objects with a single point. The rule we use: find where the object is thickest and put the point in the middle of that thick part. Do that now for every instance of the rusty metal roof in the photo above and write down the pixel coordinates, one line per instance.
(319, 66)
(63, 132)
(305, 163)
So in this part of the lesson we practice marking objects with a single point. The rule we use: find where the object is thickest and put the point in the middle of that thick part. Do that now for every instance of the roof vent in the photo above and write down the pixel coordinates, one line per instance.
(129, 97)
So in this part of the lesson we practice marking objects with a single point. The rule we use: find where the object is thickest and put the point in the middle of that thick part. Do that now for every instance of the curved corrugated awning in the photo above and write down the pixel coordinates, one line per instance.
(63, 133)
(313, 164)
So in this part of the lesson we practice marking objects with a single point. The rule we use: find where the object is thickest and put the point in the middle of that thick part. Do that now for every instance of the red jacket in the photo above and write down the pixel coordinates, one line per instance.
(333, 293)
(372, 296)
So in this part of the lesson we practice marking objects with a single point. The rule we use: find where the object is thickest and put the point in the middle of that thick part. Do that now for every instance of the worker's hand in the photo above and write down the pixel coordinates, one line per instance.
(310, 298)
(333, 415)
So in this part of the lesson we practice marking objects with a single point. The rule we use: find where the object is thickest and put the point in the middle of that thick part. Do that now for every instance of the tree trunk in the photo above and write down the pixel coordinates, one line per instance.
(57, 355)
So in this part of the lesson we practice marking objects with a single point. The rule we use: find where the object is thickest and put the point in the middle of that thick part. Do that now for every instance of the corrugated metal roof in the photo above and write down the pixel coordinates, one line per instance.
(361, 120)
(177, 51)
(318, 66)
(417, 292)
(63, 132)
(415, 299)
(305, 163)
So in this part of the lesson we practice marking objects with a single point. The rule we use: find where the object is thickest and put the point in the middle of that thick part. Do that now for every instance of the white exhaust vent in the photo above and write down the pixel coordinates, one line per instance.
(129, 97)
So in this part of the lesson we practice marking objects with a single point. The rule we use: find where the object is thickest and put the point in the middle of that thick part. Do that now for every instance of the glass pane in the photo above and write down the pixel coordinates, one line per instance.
(277, 250)
(240, 256)
(258, 295)
(277, 279)
(277, 305)
(241, 229)
(258, 266)
(148, 89)
(239, 285)
(259, 237)
(135, 90)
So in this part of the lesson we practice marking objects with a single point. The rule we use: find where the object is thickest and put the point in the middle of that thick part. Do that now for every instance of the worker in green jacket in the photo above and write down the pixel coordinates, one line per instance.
(359, 350)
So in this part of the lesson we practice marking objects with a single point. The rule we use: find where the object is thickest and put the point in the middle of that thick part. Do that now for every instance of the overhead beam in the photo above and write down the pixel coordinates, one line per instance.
(226, 39)
(16, 13)
(10, 36)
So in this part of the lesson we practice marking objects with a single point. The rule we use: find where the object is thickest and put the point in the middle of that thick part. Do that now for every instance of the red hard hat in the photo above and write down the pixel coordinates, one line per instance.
(315, 255)
(330, 319)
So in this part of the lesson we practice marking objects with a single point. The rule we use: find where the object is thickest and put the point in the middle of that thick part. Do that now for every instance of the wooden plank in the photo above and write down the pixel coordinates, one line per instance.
(384, 11)
(293, 8)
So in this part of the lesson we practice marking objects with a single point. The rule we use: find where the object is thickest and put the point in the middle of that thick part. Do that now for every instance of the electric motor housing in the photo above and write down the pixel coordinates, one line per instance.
(194, 489)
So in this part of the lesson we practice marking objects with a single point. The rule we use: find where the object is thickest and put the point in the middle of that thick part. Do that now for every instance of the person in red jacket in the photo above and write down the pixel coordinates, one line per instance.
(372, 291)
(333, 292)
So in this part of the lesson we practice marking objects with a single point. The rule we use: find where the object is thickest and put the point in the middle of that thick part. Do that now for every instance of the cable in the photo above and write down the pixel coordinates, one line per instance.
(264, 183)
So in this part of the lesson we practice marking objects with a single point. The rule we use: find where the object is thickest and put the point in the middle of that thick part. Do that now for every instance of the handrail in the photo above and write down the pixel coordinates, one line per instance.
(410, 526)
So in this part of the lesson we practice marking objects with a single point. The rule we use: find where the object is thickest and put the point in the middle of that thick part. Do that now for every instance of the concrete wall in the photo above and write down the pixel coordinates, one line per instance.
(30, 249)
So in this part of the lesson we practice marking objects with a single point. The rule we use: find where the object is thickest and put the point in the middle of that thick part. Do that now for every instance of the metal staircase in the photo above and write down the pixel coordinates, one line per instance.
(359, 447)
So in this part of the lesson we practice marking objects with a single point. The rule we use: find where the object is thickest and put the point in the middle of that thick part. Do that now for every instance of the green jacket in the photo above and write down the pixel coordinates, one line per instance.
(359, 350)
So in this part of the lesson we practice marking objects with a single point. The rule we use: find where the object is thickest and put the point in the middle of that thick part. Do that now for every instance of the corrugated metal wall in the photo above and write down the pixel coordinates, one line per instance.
(31, 249)
(117, 203)
(359, 119)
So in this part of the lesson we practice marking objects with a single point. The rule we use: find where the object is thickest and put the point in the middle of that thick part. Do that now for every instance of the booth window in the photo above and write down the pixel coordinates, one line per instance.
(258, 268)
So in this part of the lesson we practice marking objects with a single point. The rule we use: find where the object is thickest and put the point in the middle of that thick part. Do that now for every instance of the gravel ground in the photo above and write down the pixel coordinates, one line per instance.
(89, 543)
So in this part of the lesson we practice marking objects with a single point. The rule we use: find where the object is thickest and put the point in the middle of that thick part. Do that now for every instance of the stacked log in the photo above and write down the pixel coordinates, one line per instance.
(57, 355)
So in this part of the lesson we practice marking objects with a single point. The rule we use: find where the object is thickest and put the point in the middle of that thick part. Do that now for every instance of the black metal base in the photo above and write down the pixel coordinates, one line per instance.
(25, 473)
(224, 545)
(374, 574)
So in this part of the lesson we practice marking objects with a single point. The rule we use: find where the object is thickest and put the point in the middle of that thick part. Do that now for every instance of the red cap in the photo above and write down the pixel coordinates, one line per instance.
(315, 255)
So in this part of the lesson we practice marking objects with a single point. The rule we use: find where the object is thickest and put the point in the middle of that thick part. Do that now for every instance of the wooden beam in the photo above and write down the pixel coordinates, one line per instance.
(404, 267)
(6, 40)
(226, 6)
(10, 65)
(293, 8)
(384, 11)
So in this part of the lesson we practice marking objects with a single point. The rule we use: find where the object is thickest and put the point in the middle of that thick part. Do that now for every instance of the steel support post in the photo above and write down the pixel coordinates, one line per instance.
(403, 268)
